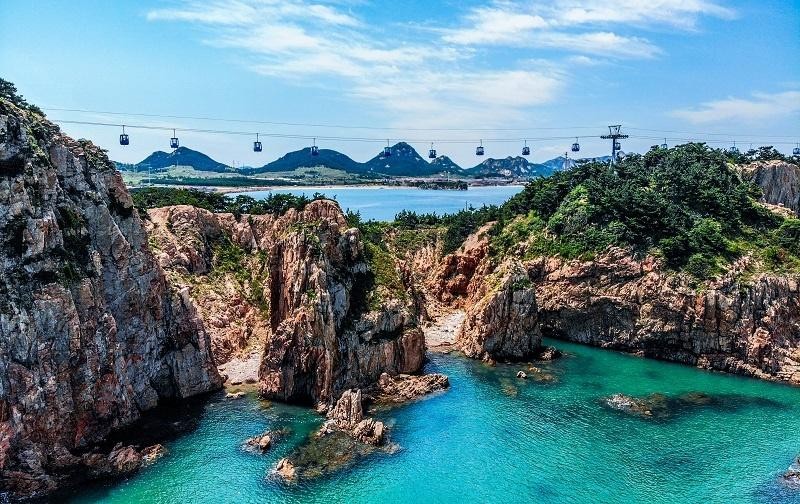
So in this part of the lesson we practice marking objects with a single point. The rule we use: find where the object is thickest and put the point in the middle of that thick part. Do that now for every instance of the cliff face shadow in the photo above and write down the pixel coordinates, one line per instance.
(164, 423)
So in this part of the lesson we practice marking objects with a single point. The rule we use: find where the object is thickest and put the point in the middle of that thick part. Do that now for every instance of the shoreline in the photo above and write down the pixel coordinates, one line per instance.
(319, 188)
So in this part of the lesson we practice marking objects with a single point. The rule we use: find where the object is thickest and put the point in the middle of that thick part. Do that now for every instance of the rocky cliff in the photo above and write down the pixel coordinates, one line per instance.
(616, 301)
(297, 286)
(779, 182)
(734, 323)
(91, 334)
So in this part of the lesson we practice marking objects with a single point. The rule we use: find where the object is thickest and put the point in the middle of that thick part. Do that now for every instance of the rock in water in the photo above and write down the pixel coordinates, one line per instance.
(521, 374)
(403, 388)
(791, 478)
(261, 443)
(348, 411)
(285, 469)
(330, 340)
(91, 334)
(504, 323)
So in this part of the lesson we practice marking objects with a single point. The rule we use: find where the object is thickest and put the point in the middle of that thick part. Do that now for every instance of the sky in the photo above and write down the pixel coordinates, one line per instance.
(356, 73)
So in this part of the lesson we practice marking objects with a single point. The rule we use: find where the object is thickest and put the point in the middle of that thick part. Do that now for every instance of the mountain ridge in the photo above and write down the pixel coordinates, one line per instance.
(403, 161)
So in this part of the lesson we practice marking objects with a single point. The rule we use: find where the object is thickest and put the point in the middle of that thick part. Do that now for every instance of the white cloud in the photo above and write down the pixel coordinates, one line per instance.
(599, 43)
(682, 14)
(495, 26)
(761, 106)
(419, 82)
(561, 24)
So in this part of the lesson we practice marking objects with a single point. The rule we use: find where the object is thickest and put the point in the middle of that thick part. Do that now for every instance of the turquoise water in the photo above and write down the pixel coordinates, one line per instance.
(384, 203)
(494, 438)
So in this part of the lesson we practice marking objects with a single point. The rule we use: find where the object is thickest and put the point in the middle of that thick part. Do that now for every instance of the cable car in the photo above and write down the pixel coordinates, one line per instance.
(796, 150)
(479, 149)
(617, 145)
(733, 149)
(664, 145)
(432, 152)
(173, 142)
(314, 148)
(123, 138)
(387, 151)
(257, 145)
(576, 146)
(526, 151)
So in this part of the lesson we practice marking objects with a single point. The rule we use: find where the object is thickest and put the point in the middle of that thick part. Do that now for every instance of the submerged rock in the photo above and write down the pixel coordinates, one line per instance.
(662, 406)
(403, 388)
(643, 407)
(791, 478)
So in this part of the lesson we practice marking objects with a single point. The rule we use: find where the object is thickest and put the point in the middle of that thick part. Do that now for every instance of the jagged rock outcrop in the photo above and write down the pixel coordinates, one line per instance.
(91, 333)
(347, 415)
(749, 327)
(619, 302)
(779, 181)
(503, 324)
(452, 282)
(301, 280)
(499, 302)
(325, 339)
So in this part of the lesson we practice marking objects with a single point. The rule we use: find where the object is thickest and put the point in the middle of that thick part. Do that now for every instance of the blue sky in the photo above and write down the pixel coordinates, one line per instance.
(424, 70)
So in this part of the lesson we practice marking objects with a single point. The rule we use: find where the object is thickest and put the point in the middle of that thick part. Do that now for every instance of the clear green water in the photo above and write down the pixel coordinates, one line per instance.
(494, 438)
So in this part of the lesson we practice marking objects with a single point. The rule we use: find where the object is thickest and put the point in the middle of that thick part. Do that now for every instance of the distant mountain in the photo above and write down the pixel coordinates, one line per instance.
(518, 167)
(557, 164)
(445, 164)
(404, 161)
(183, 156)
(304, 159)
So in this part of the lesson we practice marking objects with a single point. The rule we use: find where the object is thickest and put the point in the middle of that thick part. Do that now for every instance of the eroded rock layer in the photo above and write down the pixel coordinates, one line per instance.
(91, 334)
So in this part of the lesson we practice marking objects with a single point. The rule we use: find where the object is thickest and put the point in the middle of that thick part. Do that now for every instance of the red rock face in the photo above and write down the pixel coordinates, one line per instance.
(322, 340)
(317, 336)
(616, 301)
(91, 334)
(619, 302)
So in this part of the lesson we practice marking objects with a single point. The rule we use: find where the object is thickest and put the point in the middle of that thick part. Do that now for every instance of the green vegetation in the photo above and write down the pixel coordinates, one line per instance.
(685, 204)
(249, 271)
(386, 279)
(8, 91)
(767, 153)
(277, 204)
